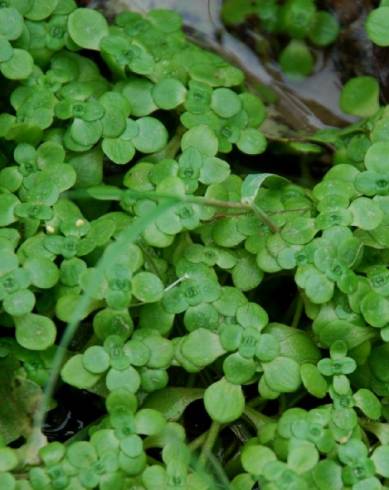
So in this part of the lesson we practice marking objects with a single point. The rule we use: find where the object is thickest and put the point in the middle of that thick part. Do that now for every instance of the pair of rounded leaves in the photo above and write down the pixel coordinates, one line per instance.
(375, 180)
(147, 135)
(15, 63)
(251, 141)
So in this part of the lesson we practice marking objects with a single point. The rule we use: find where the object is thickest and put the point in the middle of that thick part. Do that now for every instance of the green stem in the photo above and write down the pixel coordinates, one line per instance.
(171, 150)
(209, 442)
(233, 466)
(128, 235)
(255, 402)
(115, 194)
(191, 380)
(298, 312)
(219, 472)
(150, 261)
(257, 418)
(198, 442)
(265, 218)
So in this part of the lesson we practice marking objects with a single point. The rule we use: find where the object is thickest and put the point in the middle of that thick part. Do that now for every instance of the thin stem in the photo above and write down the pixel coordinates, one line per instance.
(191, 380)
(198, 442)
(206, 201)
(171, 149)
(174, 144)
(209, 442)
(265, 218)
(219, 472)
(150, 261)
(255, 402)
(257, 418)
(294, 400)
(298, 312)
(284, 211)
(128, 235)
(176, 283)
(116, 194)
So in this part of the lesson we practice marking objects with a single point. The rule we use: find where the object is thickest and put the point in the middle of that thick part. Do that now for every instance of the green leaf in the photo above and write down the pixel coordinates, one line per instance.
(294, 343)
(169, 93)
(367, 401)
(19, 303)
(128, 379)
(318, 288)
(75, 374)
(201, 347)
(43, 272)
(252, 315)
(214, 171)
(375, 309)
(359, 96)
(252, 183)
(313, 381)
(19, 66)
(368, 484)
(138, 93)
(380, 458)
(81, 454)
(327, 474)
(367, 214)
(96, 360)
(147, 287)
(225, 102)
(11, 24)
(246, 275)
(238, 369)
(35, 332)
(41, 9)
(282, 374)
(267, 348)
(379, 362)
(251, 141)
(255, 458)
(171, 402)
(299, 230)
(152, 135)
(376, 158)
(296, 60)
(302, 456)
(298, 17)
(325, 29)
(224, 401)
(118, 150)
(8, 203)
(86, 133)
(377, 26)
(87, 28)
(202, 138)
(8, 459)
(132, 446)
(149, 422)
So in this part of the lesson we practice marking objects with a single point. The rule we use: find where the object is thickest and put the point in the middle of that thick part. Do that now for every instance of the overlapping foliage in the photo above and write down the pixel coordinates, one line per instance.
(295, 28)
(122, 215)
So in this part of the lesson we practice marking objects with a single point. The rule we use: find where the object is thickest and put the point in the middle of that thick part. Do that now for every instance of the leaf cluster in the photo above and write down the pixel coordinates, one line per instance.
(121, 214)
(295, 27)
